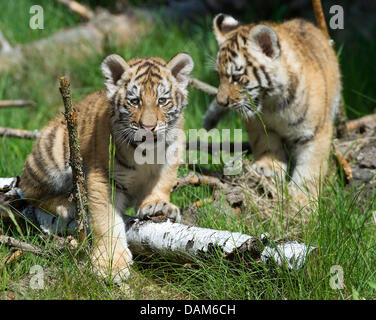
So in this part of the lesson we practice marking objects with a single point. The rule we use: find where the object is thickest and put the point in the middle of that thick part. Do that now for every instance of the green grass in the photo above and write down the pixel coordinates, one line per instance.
(341, 225)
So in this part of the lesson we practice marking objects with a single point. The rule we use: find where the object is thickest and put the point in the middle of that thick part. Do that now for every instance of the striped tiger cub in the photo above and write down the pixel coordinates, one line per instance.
(284, 80)
(143, 96)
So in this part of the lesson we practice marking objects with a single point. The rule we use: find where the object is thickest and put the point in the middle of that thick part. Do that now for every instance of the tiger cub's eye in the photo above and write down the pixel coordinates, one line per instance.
(134, 101)
(162, 101)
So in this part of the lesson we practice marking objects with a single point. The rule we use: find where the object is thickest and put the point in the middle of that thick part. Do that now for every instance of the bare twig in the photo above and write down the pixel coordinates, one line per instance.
(198, 180)
(16, 103)
(18, 133)
(215, 147)
(24, 246)
(11, 256)
(78, 8)
(79, 185)
(205, 171)
(207, 88)
(343, 163)
(320, 18)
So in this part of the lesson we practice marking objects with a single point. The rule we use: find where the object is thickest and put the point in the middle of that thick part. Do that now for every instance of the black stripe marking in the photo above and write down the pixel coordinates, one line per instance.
(142, 74)
(153, 74)
(30, 172)
(255, 73)
(135, 63)
(303, 140)
(232, 52)
(266, 76)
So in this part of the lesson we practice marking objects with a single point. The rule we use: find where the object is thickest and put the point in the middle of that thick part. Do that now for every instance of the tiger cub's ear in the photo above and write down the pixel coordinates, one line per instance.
(113, 68)
(264, 39)
(181, 66)
(222, 24)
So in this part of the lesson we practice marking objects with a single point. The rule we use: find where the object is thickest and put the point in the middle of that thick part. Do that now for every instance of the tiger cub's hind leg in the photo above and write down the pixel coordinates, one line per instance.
(311, 157)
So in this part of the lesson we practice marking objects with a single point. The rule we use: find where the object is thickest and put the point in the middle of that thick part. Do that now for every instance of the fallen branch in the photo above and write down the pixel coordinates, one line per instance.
(198, 180)
(215, 147)
(18, 133)
(16, 103)
(24, 246)
(186, 242)
(181, 242)
(75, 162)
(78, 43)
(78, 8)
(352, 125)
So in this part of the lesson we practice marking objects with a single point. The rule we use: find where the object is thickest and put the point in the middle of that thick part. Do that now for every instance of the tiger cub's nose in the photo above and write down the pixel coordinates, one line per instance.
(147, 127)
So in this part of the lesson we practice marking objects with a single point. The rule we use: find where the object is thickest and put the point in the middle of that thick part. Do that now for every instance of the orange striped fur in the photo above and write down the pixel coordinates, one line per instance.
(143, 95)
(288, 75)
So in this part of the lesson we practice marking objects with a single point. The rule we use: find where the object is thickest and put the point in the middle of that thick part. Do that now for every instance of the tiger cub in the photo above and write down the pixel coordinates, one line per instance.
(284, 79)
(144, 96)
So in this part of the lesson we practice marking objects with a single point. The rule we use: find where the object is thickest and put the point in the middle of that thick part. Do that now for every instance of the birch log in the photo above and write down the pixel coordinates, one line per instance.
(182, 242)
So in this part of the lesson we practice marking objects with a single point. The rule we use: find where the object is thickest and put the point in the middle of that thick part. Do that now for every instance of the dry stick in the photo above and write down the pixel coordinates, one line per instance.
(16, 103)
(207, 88)
(183, 241)
(320, 18)
(343, 162)
(363, 121)
(24, 246)
(75, 161)
(19, 133)
(78, 8)
(198, 180)
(215, 147)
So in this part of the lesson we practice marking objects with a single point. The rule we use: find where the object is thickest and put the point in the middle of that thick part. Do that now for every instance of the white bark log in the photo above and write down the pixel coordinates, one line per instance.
(183, 241)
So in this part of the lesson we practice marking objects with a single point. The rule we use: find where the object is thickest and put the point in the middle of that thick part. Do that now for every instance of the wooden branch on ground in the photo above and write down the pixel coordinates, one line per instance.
(16, 103)
(195, 179)
(186, 242)
(75, 161)
(78, 8)
(181, 242)
(215, 147)
(353, 125)
(79, 42)
(24, 246)
(19, 133)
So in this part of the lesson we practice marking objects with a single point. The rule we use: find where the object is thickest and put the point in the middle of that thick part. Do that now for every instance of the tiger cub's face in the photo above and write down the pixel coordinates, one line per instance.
(248, 64)
(147, 96)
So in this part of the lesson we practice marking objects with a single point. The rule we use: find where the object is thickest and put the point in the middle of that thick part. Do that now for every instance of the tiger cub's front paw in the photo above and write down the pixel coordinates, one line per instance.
(268, 167)
(160, 208)
(114, 265)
